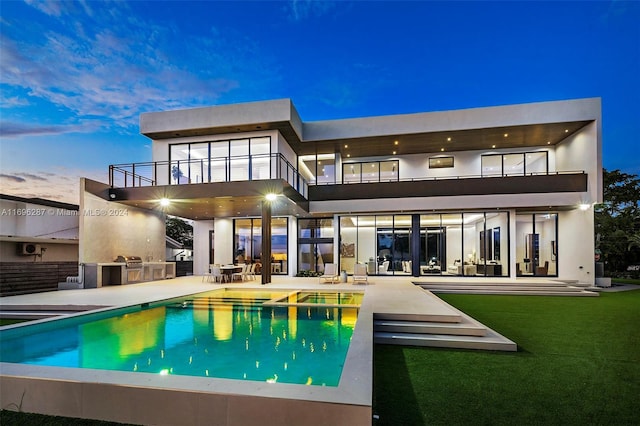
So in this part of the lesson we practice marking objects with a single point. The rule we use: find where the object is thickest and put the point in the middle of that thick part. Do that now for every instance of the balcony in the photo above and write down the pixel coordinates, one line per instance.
(207, 170)
(570, 181)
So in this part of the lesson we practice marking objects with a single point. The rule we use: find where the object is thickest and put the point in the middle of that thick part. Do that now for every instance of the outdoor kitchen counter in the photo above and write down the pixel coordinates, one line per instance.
(118, 273)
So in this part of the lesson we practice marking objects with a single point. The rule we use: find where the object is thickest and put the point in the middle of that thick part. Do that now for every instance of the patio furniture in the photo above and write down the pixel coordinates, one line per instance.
(360, 273)
(216, 274)
(241, 274)
(330, 273)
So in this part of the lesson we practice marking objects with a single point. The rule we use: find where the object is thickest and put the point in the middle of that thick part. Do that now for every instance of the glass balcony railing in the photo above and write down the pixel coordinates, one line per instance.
(207, 170)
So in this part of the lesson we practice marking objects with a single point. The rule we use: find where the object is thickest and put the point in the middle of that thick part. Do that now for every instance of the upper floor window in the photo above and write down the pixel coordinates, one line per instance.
(372, 171)
(520, 164)
(318, 169)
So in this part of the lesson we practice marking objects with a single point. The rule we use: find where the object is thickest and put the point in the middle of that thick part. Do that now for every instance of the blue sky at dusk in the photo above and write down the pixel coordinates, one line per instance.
(75, 76)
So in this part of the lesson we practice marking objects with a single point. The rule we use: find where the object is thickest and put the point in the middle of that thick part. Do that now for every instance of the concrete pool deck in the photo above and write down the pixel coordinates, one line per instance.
(142, 398)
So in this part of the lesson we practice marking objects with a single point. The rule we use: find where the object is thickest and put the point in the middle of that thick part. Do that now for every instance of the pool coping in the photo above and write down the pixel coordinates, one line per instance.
(87, 389)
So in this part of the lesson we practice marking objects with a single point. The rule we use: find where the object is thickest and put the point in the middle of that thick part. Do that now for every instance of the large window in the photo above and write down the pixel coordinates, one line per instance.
(315, 244)
(372, 171)
(318, 169)
(248, 243)
(520, 164)
(537, 244)
(461, 244)
(220, 161)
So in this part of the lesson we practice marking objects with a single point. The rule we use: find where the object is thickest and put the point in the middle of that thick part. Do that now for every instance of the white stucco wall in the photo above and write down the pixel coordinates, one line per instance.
(109, 229)
(580, 152)
(201, 230)
(576, 244)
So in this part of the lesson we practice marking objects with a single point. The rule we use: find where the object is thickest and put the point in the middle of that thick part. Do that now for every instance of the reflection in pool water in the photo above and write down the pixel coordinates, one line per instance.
(223, 334)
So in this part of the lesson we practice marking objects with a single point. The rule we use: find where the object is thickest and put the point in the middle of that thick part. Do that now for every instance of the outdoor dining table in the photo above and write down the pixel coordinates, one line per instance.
(229, 270)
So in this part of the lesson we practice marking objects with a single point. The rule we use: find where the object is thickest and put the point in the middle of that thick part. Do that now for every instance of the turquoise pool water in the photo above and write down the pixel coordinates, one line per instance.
(222, 334)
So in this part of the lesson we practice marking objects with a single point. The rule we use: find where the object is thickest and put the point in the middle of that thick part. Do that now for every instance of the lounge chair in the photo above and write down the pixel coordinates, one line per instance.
(330, 273)
(360, 273)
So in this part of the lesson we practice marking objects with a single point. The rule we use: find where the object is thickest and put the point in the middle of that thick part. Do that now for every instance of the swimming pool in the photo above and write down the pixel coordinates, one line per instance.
(228, 334)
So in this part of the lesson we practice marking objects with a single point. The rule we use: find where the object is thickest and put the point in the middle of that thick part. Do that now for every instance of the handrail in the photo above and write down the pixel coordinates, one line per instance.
(432, 178)
(207, 170)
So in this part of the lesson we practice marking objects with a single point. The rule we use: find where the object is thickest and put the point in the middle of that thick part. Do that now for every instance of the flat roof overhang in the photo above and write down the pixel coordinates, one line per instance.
(220, 199)
(526, 125)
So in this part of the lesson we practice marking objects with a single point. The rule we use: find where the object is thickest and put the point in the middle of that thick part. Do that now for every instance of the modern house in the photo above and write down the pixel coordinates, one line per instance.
(502, 191)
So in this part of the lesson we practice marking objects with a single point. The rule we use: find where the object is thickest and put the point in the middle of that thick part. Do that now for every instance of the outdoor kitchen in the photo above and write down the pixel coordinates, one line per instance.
(126, 270)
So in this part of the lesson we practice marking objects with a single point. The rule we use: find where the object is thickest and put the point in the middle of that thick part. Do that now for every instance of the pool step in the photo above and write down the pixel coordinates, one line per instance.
(463, 328)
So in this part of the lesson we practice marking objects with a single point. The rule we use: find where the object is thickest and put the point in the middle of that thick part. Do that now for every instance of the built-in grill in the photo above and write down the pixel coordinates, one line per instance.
(134, 267)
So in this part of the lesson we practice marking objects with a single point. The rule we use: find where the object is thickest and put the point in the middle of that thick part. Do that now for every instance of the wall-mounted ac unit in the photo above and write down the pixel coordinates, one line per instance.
(27, 249)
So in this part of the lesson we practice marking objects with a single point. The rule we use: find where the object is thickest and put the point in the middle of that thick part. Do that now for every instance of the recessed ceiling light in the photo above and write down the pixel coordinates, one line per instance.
(441, 149)
(548, 142)
(346, 146)
(395, 142)
(506, 135)
(493, 146)
(448, 139)
(394, 153)
(348, 155)
(566, 130)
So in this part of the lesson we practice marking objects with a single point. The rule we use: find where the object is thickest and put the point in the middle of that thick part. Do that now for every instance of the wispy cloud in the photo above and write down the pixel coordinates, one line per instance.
(62, 185)
(99, 62)
(12, 129)
(13, 178)
(299, 10)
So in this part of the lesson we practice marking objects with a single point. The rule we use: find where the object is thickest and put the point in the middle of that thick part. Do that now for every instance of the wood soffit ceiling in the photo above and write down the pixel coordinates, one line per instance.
(535, 135)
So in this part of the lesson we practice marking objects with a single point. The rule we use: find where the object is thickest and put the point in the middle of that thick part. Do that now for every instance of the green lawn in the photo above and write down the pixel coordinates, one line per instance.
(578, 363)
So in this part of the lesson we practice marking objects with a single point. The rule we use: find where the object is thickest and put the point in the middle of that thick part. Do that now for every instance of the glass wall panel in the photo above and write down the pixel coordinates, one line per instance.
(351, 173)
(497, 244)
(454, 258)
(348, 242)
(471, 234)
(536, 163)
(179, 155)
(491, 165)
(239, 161)
(315, 244)
(242, 240)
(402, 244)
(389, 171)
(537, 244)
(260, 152)
(371, 172)
(279, 264)
(219, 154)
(513, 164)
(367, 252)
(307, 168)
(248, 243)
(326, 169)
(199, 162)
(432, 245)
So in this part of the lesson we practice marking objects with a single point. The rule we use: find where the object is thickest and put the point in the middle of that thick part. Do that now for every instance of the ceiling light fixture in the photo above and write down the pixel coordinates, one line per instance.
(493, 146)
(270, 196)
(448, 139)
(164, 202)
(394, 153)
(441, 149)
(395, 142)
(506, 135)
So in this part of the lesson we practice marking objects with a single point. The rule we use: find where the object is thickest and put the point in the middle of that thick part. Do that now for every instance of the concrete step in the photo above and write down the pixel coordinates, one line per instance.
(490, 342)
(520, 291)
(463, 328)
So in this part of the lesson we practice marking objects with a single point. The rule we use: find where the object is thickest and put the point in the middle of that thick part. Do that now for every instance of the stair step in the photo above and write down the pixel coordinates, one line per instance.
(491, 342)
(464, 328)
(530, 292)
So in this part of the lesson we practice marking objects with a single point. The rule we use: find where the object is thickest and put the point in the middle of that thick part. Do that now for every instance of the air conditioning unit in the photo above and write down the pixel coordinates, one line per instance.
(27, 249)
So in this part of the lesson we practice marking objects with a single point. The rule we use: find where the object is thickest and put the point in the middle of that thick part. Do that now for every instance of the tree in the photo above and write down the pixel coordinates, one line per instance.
(180, 231)
(617, 221)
